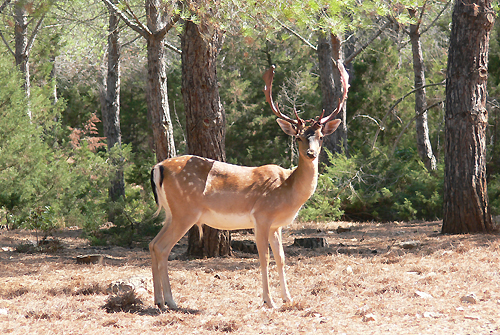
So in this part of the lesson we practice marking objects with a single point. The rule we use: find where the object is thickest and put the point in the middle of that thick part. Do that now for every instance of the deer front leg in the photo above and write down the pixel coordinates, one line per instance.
(279, 256)
(261, 237)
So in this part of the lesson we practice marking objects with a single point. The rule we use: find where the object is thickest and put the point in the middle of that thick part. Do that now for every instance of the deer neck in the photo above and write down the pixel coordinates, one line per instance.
(305, 178)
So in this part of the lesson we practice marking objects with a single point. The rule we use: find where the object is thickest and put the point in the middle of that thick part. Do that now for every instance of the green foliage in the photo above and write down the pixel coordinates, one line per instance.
(253, 136)
(376, 188)
(55, 172)
(494, 194)
(324, 205)
(41, 218)
(49, 176)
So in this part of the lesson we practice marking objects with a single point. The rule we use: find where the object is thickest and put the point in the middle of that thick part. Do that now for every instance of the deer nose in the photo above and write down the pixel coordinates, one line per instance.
(311, 153)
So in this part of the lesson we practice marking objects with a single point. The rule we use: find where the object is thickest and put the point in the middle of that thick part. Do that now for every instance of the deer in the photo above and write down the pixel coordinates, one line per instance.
(195, 190)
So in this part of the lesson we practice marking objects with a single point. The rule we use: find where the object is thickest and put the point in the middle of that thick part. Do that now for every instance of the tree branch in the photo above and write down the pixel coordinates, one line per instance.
(139, 23)
(173, 48)
(7, 44)
(2, 7)
(143, 32)
(421, 15)
(437, 17)
(410, 122)
(126, 44)
(428, 27)
(397, 103)
(293, 32)
(364, 46)
(34, 33)
(162, 32)
(368, 117)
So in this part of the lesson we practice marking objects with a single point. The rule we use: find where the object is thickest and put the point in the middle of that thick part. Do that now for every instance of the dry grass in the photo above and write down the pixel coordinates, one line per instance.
(365, 282)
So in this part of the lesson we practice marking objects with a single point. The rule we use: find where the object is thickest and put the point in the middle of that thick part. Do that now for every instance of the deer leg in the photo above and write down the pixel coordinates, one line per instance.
(160, 249)
(261, 237)
(279, 256)
(154, 265)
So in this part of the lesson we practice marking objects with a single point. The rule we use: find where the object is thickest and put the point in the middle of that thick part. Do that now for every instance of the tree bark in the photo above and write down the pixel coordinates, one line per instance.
(21, 45)
(466, 207)
(331, 89)
(205, 117)
(157, 95)
(111, 112)
(424, 147)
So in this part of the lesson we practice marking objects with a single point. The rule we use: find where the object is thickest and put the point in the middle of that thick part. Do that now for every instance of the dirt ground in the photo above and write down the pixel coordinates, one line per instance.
(372, 278)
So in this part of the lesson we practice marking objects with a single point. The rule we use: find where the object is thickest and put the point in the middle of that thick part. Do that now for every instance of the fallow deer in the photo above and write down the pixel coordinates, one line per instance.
(195, 190)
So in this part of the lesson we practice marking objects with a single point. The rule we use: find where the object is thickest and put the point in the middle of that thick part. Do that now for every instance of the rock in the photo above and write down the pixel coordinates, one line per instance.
(4, 311)
(120, 286)
(127, 294)
(423, 295)
(409, 245)
(123, 302)
(141, 285)
(244, 246)
(348, 269)
(469, 298)
(90, 259)
(341, 229)
(369, 317)
(311, 242)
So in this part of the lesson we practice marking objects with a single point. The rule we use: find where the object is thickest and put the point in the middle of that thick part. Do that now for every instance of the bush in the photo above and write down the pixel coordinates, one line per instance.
(49, 176)
(376, 188)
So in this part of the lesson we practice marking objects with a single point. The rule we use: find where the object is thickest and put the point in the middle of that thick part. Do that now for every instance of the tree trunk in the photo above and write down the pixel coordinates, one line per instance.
(331, 90)
(466, 207)
(424, 147)
(111, 112)
(205, 117)
(156, 95)
(21, 45)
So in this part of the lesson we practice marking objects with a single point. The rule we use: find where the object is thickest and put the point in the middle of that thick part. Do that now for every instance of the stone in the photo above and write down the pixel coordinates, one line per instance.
(90, 259)
(244, 246)
(469, 298)
(423, 295)
(311, 242)
(409, 245)
(341, 229)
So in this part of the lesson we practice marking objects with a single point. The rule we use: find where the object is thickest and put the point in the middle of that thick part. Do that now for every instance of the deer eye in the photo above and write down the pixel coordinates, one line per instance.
(299, 139)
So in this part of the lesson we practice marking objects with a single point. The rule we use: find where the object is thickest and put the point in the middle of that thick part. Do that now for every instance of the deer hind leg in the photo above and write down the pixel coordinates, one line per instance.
(262, 241)
(279, 256)
(156, 274)
(160, 249)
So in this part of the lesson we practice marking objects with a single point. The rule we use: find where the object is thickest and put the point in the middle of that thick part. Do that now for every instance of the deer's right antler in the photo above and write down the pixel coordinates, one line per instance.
(268, 80)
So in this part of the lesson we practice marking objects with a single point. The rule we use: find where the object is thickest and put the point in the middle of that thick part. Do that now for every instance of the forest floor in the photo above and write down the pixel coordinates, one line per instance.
(372, 278)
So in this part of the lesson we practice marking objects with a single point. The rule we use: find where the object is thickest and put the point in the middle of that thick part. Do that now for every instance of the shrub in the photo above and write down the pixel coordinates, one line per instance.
(376, 188)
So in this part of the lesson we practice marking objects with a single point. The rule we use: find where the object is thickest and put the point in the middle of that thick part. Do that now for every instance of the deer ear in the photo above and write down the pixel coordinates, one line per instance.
(287, 127)
(330, 126)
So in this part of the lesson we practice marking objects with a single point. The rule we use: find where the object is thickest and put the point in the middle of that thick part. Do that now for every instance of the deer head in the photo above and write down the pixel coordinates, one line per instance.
(309, 133)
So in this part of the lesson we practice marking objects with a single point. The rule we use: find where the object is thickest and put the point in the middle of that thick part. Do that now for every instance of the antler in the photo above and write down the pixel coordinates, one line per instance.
(344, 78)
(268, 80)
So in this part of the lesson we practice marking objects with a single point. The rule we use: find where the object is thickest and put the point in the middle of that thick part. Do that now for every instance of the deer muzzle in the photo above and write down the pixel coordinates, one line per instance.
(311, 153)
